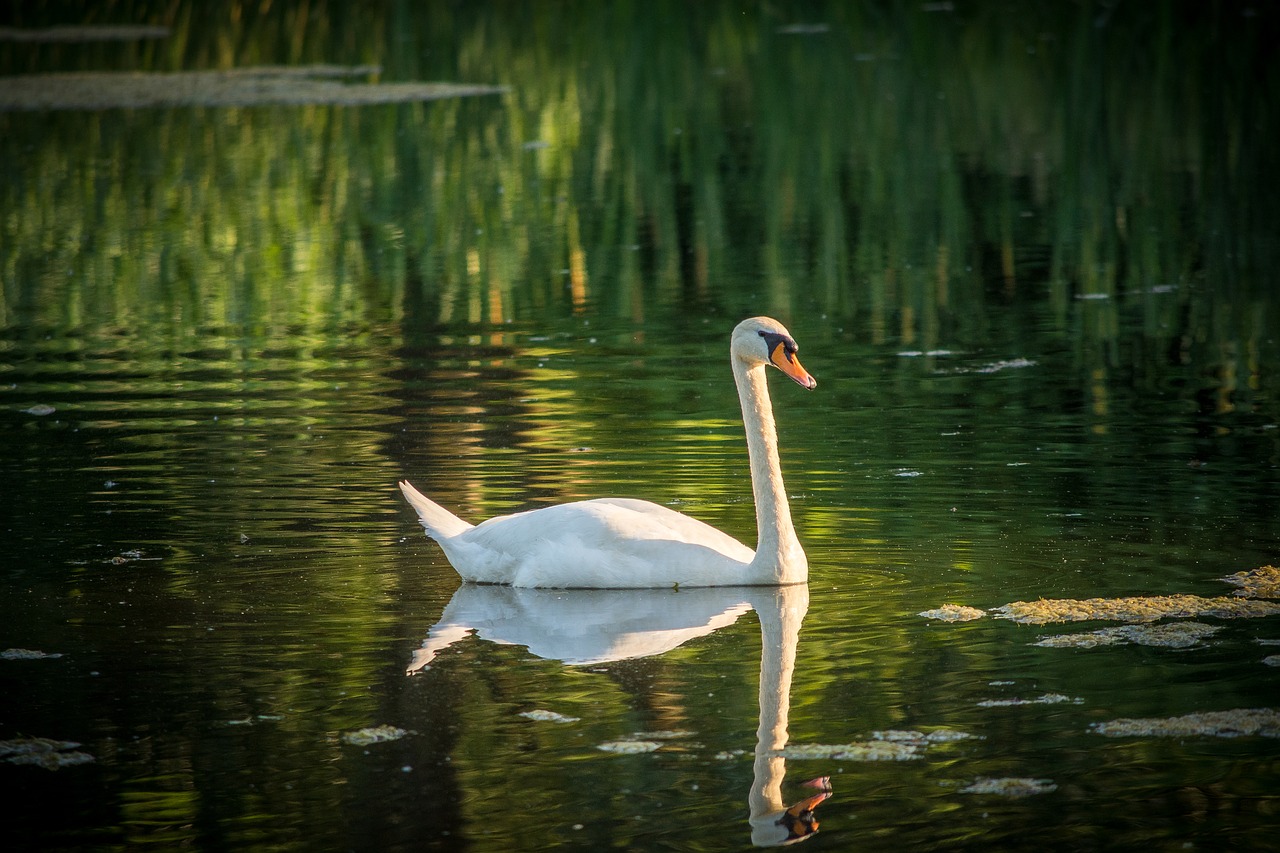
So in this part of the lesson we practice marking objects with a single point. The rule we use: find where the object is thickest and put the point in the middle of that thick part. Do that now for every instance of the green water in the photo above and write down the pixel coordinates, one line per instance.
(1028, 253)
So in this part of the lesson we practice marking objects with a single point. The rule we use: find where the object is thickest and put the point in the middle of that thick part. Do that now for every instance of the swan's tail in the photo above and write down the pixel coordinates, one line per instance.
(439, 522)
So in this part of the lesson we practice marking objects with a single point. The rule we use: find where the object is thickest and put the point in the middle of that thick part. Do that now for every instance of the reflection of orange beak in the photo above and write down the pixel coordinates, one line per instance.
(790, 365)
(799, 819)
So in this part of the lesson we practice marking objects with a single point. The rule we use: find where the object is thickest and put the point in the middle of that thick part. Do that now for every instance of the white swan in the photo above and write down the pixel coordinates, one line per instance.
(617, 543)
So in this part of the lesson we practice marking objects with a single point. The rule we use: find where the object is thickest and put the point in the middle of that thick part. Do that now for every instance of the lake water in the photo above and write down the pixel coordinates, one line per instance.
(1031, 262)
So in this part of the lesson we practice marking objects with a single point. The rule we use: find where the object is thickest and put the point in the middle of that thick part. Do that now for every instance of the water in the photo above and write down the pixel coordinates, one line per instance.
(227, 333)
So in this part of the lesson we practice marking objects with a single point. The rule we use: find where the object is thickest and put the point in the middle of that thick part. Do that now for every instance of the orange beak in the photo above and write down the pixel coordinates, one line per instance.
(790, 365)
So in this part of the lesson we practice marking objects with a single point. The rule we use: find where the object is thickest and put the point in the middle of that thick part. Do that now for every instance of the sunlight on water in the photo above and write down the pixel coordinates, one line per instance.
(1047, 405)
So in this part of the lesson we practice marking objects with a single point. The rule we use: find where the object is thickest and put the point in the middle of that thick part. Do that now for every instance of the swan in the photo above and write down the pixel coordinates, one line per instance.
(621, 543)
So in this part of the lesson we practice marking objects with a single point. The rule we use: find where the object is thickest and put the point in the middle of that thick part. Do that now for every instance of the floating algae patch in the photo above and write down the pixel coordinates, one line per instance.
(1262, 582)
(548, 717)
(1136, 609)
(373, 734)
(869, 750)
(27, 654)
(1088, 640)
(43, 752)
(888, 745)
(1044, 699)
(1010, 786)
(85, 33)
(1240, 722)
(922, 739)
(629, 747)
(1173, 635)
(639, 742)
(254, 720)
(953, 613)
(238, 87)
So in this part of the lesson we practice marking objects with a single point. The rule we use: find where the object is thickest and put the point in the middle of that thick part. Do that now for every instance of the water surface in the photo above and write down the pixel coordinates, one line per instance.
(1032, 267)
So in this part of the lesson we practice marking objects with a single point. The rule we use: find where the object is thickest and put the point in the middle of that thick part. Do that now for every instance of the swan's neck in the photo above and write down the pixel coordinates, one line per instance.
(779, 557)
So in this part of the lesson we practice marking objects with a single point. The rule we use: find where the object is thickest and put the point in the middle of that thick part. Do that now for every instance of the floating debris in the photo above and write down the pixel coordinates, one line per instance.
(900, 736)
(1045, 699)
(953, 613)
(84, 33)
(40, 409)
(932, 738)
(373, 734)
(237, 87)
(1092, 639)
(548, 717)
(1272, 660)
(1010, 786)
(1262, 582)
(1135, 609)
(126, 557)
(28, 654)
(1173, 635)
(996, 366)
(665, 734)
(249, 721)
(886, 745)
(729, 754)
(870, 750)
(43, 752)
(1235, 723)
(803, 29)
(629, 747)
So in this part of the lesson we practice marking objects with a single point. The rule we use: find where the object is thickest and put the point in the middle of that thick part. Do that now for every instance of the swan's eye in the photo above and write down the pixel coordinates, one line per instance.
(780, 347)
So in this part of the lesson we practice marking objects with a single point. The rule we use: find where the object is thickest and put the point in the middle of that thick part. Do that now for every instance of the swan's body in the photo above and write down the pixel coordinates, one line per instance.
(613, 543)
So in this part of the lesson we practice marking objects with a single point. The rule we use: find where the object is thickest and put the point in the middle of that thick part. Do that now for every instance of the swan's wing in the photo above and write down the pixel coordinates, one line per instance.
(611, 543)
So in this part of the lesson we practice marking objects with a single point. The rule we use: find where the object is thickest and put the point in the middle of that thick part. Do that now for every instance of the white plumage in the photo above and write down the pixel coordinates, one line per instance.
(614, 543)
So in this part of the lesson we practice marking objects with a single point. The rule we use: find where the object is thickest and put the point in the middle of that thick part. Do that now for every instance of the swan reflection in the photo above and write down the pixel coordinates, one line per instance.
(582, 627)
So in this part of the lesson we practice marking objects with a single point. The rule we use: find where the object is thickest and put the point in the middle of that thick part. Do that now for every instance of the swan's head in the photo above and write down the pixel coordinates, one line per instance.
(763, 340)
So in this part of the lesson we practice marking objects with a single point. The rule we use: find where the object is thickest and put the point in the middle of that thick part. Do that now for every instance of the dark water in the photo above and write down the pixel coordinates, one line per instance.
(1030, 258)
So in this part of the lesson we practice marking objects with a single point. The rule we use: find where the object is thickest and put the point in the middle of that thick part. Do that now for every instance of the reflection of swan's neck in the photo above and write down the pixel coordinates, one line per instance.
(779, 557)
(781, 615)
